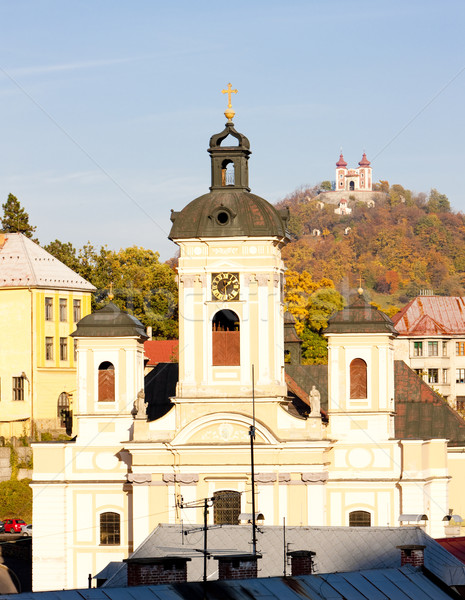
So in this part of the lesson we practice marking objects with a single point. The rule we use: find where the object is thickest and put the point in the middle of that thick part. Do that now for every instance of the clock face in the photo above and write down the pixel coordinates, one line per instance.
(225, 286)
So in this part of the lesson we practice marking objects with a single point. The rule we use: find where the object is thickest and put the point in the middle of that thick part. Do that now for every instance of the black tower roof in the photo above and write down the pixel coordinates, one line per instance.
(110, 321)
(229, 209)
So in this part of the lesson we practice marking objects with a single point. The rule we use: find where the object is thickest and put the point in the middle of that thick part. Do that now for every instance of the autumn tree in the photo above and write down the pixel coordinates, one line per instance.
(312, 303)
(15, 218)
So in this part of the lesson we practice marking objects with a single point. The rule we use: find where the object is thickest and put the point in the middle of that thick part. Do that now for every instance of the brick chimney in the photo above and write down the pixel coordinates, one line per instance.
(412, 554)
(237, 566)
(155, 571)
(301, 562)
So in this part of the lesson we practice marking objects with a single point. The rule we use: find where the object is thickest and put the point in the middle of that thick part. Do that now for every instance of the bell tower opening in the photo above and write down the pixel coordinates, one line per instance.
(227, 173)
(226, 341)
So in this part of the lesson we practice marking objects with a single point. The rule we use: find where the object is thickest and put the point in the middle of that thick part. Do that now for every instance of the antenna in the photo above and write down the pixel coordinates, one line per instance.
(252, 437)
(206, 502)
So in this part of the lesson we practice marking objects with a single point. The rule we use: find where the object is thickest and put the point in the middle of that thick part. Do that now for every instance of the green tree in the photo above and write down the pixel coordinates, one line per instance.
(326, 186)
(65, 252)
(437, 202)
(15, 219)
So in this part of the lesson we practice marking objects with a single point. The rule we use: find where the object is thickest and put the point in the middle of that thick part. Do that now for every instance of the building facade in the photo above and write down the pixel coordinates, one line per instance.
(41, 302)
(97, 497)
(432, 342)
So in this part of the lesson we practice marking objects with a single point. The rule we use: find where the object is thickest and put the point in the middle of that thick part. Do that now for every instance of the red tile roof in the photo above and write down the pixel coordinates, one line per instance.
(341, 162)
(432, 315)
(158, 351)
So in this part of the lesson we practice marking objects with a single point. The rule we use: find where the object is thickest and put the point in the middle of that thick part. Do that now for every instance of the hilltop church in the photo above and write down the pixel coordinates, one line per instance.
(345, 444)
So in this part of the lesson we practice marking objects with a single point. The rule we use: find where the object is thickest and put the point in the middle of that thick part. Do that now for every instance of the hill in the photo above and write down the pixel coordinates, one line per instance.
(405, 243)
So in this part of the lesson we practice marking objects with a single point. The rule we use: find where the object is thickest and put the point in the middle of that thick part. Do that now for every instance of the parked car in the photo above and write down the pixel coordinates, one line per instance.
(26, 530)
(13, 525)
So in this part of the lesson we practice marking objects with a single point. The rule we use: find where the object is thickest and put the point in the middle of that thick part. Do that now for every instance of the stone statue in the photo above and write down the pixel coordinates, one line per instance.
(139, 410)
(314, 398)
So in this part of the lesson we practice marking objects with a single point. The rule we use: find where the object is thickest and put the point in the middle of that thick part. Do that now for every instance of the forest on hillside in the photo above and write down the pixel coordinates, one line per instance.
(405, 243)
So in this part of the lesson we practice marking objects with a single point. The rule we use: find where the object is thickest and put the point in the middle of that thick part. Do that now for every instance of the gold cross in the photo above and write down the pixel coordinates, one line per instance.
(229, 91)
(360, 280)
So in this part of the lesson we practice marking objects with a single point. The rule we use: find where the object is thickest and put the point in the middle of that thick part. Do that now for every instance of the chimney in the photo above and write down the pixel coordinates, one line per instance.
(237, 566)
(155, 571)
(301, 562)
(412, 554)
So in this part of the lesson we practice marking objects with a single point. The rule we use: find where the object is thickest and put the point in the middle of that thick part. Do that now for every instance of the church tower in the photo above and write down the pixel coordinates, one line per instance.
(231, 278)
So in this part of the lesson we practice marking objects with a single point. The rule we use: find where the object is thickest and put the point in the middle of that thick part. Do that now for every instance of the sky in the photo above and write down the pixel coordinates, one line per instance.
(107, 107)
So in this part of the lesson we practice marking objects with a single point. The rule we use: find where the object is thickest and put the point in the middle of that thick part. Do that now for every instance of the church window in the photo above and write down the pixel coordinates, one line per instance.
(62, 408)
(417, 348)
(226, 507)
(110, 529)
(226, 341)
(359, 518)
(358, 378)
(106, 382)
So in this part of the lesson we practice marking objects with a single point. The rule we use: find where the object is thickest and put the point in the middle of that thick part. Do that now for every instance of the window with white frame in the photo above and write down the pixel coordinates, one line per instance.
(417, 348)
(48, 348)
(433, 375)
(459, 375)
(63, 309)
(433, 348)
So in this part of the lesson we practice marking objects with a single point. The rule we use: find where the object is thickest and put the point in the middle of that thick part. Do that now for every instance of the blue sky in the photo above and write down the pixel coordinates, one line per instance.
(107, 107)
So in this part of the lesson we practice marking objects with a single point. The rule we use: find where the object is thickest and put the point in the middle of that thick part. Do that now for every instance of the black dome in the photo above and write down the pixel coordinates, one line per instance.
(226, 213)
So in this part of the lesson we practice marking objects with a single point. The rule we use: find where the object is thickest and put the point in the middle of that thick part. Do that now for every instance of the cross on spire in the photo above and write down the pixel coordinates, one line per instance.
(229, 113)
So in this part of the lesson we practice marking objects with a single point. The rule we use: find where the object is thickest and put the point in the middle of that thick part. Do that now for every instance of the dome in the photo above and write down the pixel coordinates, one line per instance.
(364, 162)
(341, 163)
(229, 209)
(226, 213)
(110, 321)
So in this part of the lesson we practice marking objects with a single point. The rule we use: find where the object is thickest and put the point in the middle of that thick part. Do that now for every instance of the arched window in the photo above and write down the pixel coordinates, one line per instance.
(359, 518)
(62, 408)
(110, 526)
(226, 339)
(106, 382)
(226, 507)
(358, 379)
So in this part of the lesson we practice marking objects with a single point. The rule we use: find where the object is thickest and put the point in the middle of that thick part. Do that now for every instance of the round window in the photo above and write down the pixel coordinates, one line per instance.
(222, 217)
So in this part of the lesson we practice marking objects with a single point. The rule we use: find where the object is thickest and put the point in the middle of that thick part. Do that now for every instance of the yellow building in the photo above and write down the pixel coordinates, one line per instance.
(330, 456)
(40, 302)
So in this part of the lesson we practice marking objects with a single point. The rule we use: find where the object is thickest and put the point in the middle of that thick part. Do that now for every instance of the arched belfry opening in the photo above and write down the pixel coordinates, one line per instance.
(226, 340)
(106, 382)
(227, 173)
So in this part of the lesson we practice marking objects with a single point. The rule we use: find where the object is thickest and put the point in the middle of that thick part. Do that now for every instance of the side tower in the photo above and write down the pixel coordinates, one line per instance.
(361, 372)
(81, 506)
(341, 172)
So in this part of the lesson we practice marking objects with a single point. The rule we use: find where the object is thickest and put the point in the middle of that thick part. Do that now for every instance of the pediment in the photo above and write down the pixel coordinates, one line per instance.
(224, 428)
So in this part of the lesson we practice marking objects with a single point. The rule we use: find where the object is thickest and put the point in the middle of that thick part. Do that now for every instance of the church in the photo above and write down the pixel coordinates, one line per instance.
(342, 444)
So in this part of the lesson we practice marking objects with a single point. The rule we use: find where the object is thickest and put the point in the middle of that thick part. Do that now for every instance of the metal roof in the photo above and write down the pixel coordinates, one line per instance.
(110, 321)
(404, 583)
(432, 315)
(23, 263)
(360, 317)
(336, 548)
